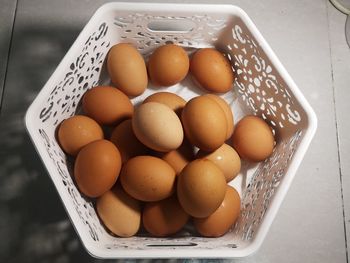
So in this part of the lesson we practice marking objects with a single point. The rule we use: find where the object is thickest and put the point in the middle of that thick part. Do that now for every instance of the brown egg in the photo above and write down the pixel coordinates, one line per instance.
(204, 123)
(128, 145)
(180, 157)
(218, 223)
(168, 65)
(107, 105)
(173, 101)
(148, 178)
(119, 212)
(97, 168)
(165, 217)
(127, 69)
(201, 188)
(211, 70)
(226, 158)
(157, 127)
(253, 139)
(76, 132)
(228, 113)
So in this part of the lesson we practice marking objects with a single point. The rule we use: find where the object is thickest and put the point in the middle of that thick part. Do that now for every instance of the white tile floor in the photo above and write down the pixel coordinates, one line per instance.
(340, 55)
(307, 36)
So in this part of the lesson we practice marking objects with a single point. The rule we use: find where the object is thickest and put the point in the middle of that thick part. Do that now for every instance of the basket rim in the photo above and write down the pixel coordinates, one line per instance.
(277, 200)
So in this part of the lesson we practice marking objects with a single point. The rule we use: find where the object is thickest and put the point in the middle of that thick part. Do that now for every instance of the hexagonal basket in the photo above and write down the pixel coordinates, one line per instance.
(262, 87)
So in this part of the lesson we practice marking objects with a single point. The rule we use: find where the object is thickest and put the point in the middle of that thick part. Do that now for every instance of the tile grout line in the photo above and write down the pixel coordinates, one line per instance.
(8, 56)
(337, 136)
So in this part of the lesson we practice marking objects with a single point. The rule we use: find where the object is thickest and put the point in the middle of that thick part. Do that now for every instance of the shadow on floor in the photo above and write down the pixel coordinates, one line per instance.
(33, 224)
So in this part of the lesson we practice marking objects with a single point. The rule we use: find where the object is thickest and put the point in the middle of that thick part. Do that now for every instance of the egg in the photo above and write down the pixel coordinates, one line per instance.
(173, 101)
(107, 105)
(76, 132)
(164, 218)
(228, 113)
(220, 222)
(157, 127)
(168, 65)
(97, 168)
(180, 157)
(226, 158)
(127, 69)
(128, 145)
(119, 212)
(211, 70)
(201, 188)
(204, 123)
(148, 178)
(253, 139)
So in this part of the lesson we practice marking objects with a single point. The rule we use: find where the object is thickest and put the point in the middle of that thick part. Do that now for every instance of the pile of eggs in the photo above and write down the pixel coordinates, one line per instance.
(166, 160)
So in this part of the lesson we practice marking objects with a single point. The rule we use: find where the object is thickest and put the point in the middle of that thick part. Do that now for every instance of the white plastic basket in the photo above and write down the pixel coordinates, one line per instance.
(262, 87)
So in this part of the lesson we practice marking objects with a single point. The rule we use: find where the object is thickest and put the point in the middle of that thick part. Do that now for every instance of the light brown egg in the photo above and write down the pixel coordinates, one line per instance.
(201, 188)
(180, 157)
(219, 223)
(148, 178)
(119, 212)
(168, 65)
(76, 132)
(107, 105)
(211, 70)
(128, 145)
(97, 168)
(157, 127)
(204, 123)
(173, 101)
(127, 69)
(253, 139)
(226, 158)
(228, 113)
(164, 218)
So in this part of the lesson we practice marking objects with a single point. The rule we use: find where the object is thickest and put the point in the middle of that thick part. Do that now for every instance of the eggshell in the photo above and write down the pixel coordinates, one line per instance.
(119, 212)
(204, 123)
(253, 139)
(226, 158)
(201, 188)
(97, 168)
(128, 145)
(228, 113)
(168, 65)
(107, 105)
(165, 217)
(148, 178)
(180, 157)
(211, 70)
(157, 127)
(173, 101)
(76, 132)
(218, 223)
(127, 69)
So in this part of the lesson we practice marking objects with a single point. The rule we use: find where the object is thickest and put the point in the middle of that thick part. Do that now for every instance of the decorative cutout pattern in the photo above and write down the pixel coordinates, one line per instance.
(82, 74)
(262, 186)
(83, 207)
(258, 82)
